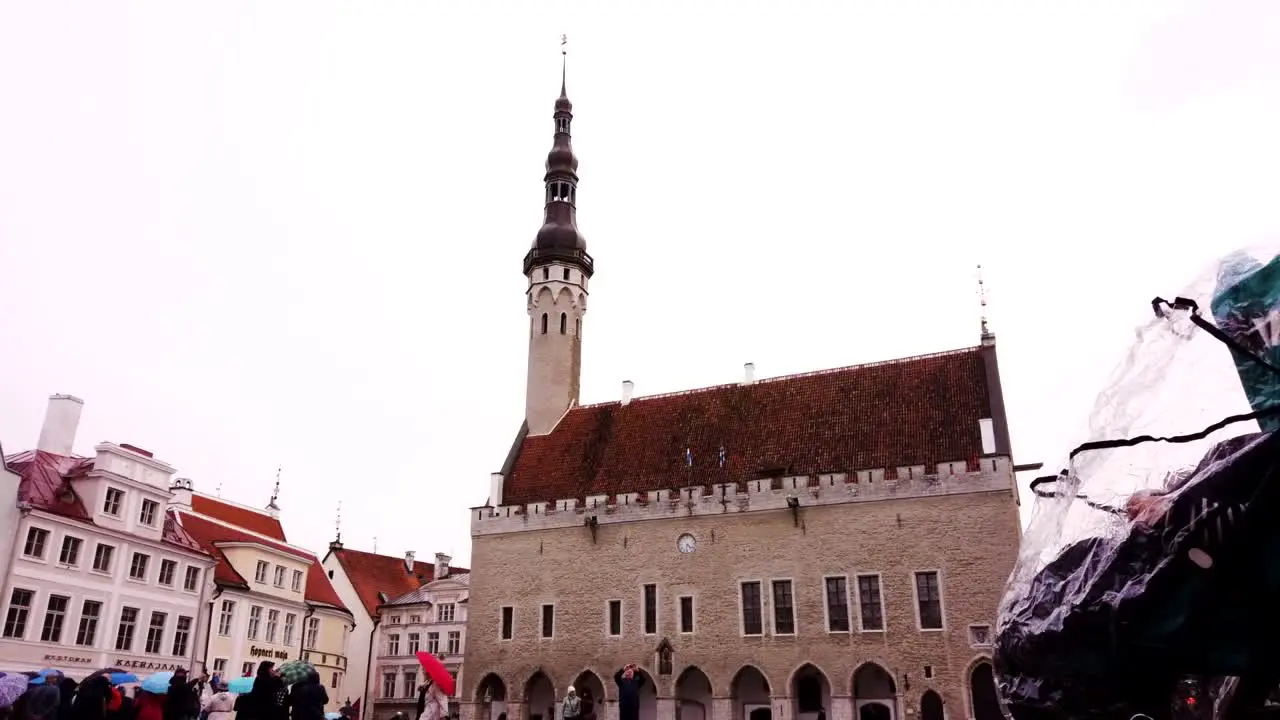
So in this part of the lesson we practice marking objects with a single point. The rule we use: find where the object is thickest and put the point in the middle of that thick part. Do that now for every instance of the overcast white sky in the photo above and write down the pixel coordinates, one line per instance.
(253, 234)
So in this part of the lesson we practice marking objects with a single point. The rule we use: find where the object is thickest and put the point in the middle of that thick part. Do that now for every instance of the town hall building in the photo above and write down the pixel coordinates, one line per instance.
(825, 545)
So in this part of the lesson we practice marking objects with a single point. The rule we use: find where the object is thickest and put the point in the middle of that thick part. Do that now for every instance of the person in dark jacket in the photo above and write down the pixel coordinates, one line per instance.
(67, 688)
(40, 702)
(91, 699)
(308, 698)
(182, 702)
(629, 683)
(266, 700)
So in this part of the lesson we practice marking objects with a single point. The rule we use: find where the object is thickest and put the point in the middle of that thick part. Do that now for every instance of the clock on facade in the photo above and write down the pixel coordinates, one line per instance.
(686, 543)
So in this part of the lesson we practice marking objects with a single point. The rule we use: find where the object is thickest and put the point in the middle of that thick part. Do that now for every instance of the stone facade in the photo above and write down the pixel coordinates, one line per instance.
(967, 535)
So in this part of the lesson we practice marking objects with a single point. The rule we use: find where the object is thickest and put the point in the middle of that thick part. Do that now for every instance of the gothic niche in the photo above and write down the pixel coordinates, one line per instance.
(665, 651)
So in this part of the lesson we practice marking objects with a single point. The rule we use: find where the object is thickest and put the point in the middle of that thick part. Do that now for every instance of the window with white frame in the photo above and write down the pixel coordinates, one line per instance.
(138, 567)
(255, 621)
(393, 619)
(388, 685)
(260, 572)
(246, 669)
(102, 556)
(70, 555)
(290, 621)
(929, 600)
(37, 542)
(219, 666)
(445, 612)
(393, 644)
(752, 608)
(113, 502)
(191, 582)
(147, 514)
(181, 636)
(686, 614)
(273, 624)
(870, 604)
(15, 620)
(55, 614)
(312, 632)
(297, 581)
(453, 644)
(155, 633)
(433, 643)
(836, 597)
(225, 616)
(124, 633)
(278, 580)
(168, 568)
(410, 682)
(415, 619)
(90, 614)
(415, 643)
(784, 608)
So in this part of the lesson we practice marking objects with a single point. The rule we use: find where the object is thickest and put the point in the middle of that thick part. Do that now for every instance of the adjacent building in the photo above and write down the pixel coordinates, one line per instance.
(100, 572)
(272, 600)
(830, 544)
(432, 618)
(366, 582)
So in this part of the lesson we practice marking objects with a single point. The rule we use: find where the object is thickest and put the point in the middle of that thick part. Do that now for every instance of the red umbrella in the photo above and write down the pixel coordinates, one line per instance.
(435, 670)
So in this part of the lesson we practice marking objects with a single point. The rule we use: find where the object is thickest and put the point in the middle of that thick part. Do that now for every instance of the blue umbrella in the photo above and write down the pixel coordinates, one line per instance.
(157, 684)
(123, 678)
(240, 685)
(333, 716)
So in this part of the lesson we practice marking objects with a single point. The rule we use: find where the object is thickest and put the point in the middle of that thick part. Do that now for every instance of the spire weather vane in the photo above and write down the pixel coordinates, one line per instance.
(982, 301)
(275, 492)
(337, 523)
(564, 42)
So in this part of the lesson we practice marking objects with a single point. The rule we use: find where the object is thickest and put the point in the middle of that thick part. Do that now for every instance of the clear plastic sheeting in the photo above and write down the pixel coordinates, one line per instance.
(1132, 547)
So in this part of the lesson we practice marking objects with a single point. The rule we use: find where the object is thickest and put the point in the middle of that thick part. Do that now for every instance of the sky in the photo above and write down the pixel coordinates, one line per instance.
(261, 235)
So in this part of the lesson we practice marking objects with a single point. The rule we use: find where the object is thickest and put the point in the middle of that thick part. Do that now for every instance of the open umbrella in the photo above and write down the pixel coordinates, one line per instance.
(240, 685)
(436, 671)
(333, 716)
(116, 676)
(12, 686)
(295, 671)
(157, 684)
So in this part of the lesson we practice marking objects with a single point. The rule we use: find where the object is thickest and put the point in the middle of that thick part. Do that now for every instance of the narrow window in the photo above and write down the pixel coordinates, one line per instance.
(686, 614)
(124, 634)
(870, 608)
(433, 643)
(650, 609)
(167, 569)
(453, 643)
(564, 323)
(929, 600)
(90, 612)
(415, 643)
(54, 615)
(566, 273)
(181, 636)
(138, 569)
(508, 622)
(752, 619)
(615, 618)
(155, 633)
(192, 580)
(548, 621)
(70, 551)
(562, 125)
(291, 626)
(837, 605)
(577, 328)
(544, 323)
(546, 273)
(260, 572)
(784, 609)
(102, 558)
(15, 622)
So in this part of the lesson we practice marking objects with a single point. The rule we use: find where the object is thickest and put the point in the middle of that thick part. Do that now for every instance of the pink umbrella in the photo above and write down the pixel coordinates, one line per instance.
(436, 671)
(12, 686)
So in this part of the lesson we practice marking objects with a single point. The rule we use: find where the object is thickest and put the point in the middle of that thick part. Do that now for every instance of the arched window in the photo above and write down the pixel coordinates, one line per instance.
(544, 323)
(562, 125)
(564, 323)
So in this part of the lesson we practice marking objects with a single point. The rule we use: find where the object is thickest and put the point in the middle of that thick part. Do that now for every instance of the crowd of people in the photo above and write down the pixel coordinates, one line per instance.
(56, 697)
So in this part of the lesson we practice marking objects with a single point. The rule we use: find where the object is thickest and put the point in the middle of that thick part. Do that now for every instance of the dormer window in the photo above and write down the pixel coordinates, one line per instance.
(561, 191)
(562, 125)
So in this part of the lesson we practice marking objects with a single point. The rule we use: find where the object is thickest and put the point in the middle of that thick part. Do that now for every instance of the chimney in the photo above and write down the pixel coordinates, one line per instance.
(181, 489)
(61, 419)
(408, 561)
(442, 566)
(495, 488)
(628, 388)
(748, 373)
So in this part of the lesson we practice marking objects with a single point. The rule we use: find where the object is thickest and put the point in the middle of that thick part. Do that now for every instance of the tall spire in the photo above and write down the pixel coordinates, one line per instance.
(987, 336)
(559, 239)
(275, 492)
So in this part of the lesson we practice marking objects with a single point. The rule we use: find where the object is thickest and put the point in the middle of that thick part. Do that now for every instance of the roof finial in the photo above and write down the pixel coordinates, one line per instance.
(564, 65)
(337, 524)
(982, 303)
(375, 544)
(275, 492)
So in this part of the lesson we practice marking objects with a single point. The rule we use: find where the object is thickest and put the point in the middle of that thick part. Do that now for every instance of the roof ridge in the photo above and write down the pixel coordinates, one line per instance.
(249, 532)
(235, 504)
(792, 376)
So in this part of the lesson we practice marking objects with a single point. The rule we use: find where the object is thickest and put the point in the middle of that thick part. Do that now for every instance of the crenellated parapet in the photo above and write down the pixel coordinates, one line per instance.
(837, 488)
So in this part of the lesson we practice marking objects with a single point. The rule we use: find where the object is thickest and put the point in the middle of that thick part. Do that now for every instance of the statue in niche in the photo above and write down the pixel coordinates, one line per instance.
(665, 652)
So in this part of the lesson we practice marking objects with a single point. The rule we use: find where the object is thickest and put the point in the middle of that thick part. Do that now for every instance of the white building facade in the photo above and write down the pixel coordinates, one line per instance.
(432, 618)
(100, 574)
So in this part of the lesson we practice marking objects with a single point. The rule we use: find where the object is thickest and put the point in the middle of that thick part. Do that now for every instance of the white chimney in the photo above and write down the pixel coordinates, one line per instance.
(495, 489)
(628, 388)
(748, 373)
(442, 566)
(181, 490)
(61, 419)
(408, 560)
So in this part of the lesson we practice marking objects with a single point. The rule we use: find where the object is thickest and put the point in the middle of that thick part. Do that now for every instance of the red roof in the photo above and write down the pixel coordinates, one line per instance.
(213, 534)
(914, 411)
(371, 574)
(243, 517)
(47, 484)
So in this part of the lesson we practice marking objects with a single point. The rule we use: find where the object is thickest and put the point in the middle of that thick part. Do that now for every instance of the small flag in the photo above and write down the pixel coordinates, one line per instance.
(688, 456)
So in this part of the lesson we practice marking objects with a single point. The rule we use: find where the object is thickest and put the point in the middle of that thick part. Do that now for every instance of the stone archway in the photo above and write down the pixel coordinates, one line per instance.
(875, 695)
(648, 697)
(810, 693)
(749, 691)
(931, 706)
(591, 689)
(984, 702)
(693, 695)
(539, 697)
(491, 698)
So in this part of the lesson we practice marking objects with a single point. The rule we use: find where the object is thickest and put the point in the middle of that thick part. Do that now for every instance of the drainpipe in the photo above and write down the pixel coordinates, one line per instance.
(208, 633)
(368, 670)
(306, 619)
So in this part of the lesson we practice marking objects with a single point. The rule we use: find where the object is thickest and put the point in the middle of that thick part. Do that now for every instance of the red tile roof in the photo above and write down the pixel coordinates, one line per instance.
(213, 534)
(914, 411)
(247, 518)
(47, 484)
(371, 574)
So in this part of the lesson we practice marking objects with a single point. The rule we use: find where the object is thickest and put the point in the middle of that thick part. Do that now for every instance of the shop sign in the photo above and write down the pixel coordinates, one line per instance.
(67, 659)
(261, 652)
(147, 665)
